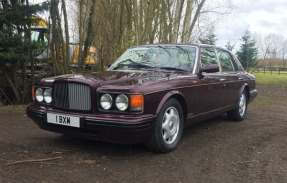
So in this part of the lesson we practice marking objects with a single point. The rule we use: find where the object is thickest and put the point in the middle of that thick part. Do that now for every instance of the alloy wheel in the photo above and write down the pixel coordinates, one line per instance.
(170, 125)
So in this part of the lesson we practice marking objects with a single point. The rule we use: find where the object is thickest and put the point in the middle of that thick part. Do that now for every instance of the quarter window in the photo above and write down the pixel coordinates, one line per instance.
(208, 57)
(225, 61)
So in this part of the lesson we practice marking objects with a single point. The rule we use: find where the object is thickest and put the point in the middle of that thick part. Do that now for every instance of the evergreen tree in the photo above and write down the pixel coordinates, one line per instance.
(229, 46)
(16, 47)
(210, 38)
(247, 54)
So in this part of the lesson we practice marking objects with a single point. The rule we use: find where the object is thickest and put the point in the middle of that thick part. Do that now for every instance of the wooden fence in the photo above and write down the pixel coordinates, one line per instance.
(269, 70)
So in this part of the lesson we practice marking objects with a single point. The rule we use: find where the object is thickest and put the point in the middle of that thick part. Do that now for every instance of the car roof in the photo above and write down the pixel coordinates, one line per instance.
(182, 44)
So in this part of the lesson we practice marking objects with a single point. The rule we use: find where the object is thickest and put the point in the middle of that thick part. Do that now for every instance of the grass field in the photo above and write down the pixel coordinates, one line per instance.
(272, 79)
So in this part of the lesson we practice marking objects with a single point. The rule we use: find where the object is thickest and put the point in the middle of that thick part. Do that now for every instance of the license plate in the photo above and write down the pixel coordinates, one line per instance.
(60, 119)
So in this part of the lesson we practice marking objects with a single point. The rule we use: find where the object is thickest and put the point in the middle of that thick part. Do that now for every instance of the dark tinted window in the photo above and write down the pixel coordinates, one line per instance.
(225, 61)
(208, 57)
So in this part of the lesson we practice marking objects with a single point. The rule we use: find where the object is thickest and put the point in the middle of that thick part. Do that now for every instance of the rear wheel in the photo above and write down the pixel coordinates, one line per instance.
(168, 129)
(238, 114)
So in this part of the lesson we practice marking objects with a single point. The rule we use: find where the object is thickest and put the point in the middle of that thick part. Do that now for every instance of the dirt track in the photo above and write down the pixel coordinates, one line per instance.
(216, 150)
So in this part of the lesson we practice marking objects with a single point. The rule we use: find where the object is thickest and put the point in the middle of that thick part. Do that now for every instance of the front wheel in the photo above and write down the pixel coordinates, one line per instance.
(168, 128)
(238, 114)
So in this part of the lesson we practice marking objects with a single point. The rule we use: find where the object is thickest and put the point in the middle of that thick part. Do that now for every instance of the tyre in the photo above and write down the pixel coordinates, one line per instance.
(168, 128)
(238, 114)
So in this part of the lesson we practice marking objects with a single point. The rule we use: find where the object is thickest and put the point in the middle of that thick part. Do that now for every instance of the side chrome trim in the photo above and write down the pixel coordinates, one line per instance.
(197, 85)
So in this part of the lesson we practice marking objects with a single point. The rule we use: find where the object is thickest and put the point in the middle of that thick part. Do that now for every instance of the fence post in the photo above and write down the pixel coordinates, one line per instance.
(264, 70)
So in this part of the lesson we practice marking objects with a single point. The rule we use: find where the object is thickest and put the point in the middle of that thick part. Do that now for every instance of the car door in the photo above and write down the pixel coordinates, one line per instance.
(211, 84)
(232, 76)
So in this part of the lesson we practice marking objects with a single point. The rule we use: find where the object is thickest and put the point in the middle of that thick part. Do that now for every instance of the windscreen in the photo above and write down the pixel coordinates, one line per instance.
(163, 56)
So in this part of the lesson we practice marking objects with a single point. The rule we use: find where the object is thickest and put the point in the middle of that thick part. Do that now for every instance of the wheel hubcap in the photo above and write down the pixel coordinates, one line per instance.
(242, 104)
(170, 125)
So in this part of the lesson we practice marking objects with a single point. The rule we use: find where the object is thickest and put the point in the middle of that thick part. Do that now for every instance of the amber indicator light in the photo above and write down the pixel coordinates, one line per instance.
(136, 101)
(33, 93)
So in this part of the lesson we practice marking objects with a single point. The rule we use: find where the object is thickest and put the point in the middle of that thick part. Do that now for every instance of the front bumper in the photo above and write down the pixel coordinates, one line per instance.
(121, 129)
(252, 95)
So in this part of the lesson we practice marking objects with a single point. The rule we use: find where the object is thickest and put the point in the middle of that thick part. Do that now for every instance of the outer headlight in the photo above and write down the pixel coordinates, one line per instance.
(122, 102)
(106, 101)
(39, 95)
(48, 95)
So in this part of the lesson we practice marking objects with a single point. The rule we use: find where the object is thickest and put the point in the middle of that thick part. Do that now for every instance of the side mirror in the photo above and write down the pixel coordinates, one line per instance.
(209, 69)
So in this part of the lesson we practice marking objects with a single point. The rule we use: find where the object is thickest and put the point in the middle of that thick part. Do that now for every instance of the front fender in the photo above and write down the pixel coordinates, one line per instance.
(166, 97)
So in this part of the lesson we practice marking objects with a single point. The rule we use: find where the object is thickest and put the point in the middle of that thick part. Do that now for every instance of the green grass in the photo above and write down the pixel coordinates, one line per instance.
(262, 100)
(272, 79)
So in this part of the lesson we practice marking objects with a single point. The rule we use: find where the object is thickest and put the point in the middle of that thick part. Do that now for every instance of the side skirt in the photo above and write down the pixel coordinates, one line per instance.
(204, 116)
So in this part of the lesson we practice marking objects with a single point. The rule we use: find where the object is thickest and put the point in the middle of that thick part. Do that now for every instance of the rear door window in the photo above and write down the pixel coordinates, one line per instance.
(225, 61)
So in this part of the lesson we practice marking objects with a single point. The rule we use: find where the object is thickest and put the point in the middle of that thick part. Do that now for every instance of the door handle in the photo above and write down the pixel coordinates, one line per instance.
(222, 79)
(240, 78)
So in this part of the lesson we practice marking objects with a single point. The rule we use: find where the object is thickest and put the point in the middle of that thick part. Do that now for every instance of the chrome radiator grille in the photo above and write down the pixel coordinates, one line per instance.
(72, 96)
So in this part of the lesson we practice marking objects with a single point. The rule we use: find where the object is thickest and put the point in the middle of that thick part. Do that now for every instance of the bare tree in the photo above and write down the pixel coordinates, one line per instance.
(176, 21)
(124, 23)
(187, 21)
(67, 35)
(56, 37)
(271, 45)
(81, 17)
(283, 52)
(87, 43)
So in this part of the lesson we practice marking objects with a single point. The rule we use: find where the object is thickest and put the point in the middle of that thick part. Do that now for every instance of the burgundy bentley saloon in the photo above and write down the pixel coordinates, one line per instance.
(148, 95)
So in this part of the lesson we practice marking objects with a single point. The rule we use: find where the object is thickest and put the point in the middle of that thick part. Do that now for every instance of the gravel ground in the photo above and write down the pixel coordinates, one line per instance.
(216, 150)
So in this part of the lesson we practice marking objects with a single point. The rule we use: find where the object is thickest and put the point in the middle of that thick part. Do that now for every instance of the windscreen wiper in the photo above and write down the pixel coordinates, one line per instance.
(172, 68)
(135, 65)
(138, 66)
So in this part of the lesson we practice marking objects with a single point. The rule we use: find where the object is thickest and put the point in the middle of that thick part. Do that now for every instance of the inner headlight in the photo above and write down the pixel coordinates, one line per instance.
(122, 102)
(106, 101)
(39, 95)
(48, 96)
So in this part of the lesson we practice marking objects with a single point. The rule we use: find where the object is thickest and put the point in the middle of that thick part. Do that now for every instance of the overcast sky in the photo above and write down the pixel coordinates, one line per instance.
(258, 16)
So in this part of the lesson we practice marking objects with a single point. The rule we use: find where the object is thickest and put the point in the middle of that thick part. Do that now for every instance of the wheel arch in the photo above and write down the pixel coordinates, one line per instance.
(176, 95)
(246, 88)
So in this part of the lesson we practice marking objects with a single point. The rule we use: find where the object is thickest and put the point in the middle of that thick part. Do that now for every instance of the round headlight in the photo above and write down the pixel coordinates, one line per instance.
(39, 95)
(48, 96)
(106, 101)
(122, 102)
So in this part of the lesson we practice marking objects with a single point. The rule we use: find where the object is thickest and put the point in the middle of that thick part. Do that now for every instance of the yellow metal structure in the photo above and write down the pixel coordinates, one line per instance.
(40, 32)
(91, 57)
(40, 22)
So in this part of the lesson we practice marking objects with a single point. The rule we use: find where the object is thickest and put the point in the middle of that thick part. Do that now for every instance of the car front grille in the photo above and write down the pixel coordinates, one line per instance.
(72, 96)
